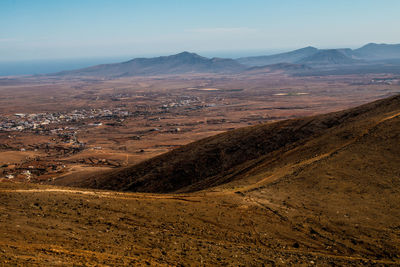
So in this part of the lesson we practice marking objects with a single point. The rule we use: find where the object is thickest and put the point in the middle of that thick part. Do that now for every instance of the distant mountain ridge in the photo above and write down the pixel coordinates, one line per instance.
(328, 57)
(288, 57)
(378, 51)
(181, 63)
(311, 55)
(369, 58)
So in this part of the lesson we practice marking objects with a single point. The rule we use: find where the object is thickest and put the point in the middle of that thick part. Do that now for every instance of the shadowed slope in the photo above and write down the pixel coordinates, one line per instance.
(347, 195)
(245, 152)
(321, 191)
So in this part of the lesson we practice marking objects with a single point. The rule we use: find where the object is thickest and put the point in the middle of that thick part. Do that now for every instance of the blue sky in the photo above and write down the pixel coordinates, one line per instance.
(56, 29)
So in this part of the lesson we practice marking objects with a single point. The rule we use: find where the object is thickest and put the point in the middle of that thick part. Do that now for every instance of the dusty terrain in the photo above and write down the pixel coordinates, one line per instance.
(44, 225)
(324, 193)
(152, 115)
(241, 153)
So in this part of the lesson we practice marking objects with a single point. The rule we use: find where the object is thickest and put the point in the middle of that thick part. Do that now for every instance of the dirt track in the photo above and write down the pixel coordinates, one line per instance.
(328, 200)
(61, 226)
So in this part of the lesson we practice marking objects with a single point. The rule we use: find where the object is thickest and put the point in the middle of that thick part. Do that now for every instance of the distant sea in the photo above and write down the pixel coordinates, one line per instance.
(32, 67)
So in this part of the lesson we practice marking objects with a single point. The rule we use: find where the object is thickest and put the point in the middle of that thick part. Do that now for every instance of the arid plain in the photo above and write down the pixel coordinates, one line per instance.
(276, 213)
(84, 124)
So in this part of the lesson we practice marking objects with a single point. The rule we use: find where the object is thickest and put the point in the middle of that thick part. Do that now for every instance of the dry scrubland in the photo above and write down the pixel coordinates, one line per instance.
(320, 190)
(153, 115)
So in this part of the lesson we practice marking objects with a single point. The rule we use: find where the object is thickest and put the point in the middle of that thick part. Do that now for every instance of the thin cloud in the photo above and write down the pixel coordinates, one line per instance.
(7, 40)
(238, 30)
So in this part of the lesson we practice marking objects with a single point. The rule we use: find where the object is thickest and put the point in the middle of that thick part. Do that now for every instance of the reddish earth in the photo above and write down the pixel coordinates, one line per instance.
(320, 190)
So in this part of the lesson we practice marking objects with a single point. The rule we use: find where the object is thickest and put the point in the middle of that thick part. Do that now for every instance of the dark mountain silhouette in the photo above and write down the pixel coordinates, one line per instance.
(329, 57)
(371, 58)
(369, 52)
(288, 57)
(184, 62)
(374, 51)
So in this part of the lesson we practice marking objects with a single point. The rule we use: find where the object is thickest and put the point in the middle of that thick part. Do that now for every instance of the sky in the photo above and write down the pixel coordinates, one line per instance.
(68, 29)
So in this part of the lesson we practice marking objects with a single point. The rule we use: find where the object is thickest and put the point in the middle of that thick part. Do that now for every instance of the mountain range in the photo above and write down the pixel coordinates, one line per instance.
(288, 57)
(374, 51)
(297, 61)
(181, 63)
(328, 57)
(311, 55)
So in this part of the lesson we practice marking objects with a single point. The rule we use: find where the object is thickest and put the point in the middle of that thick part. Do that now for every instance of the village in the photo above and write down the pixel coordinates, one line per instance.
(120, 125)
(59, 122)
(40, 122)
(58, 134)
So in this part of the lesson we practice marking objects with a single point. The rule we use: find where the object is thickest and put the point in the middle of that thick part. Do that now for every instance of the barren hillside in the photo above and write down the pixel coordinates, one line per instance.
(321, 190)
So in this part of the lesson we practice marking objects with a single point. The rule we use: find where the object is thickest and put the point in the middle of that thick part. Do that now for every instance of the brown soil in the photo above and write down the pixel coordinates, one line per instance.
(319, 190)
(232, 155)
(44, 225)
(326, 197)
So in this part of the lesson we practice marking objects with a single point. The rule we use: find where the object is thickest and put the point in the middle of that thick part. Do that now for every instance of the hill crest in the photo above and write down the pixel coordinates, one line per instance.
(232, 156)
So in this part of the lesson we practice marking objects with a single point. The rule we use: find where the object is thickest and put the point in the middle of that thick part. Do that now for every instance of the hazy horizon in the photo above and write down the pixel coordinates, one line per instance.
(54, 30)
(44, 66)
(48, 36)
(52, 65)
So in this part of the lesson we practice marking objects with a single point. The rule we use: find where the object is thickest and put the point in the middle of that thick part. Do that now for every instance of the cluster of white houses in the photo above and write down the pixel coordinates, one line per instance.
(22, 121)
